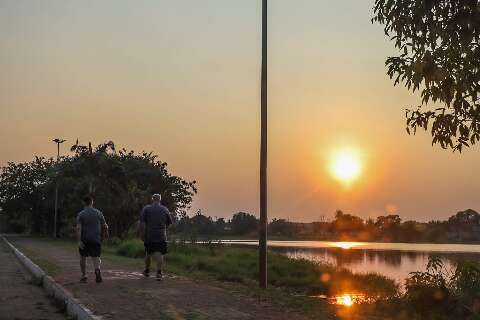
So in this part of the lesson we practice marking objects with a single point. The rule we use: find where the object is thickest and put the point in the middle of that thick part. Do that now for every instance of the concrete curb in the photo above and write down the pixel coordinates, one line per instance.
(72, 306)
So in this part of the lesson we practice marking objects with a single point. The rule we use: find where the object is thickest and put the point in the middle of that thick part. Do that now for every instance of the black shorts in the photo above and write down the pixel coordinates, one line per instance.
(91, 249)
(152, 247)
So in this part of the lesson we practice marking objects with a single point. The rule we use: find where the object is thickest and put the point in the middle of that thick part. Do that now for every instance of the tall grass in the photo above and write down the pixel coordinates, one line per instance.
(240, 264)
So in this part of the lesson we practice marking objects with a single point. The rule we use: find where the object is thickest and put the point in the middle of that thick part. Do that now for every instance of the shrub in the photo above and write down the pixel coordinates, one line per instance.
(131, 248)
(440, 294)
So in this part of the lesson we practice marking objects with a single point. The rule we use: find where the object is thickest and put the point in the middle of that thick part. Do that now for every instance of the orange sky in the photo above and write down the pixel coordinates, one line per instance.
(181, 78)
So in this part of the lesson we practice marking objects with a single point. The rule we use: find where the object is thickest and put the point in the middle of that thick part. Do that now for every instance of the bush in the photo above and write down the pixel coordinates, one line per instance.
(113, 241)
(131, 249)
(440, 294)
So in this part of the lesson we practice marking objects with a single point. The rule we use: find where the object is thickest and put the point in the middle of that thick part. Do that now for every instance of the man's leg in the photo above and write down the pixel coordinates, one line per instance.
(159, 260)
(83, 268)
(96, 264)
(148, 259)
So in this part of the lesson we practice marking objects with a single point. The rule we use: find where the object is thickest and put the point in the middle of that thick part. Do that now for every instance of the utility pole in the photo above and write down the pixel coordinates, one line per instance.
(58, 142)
(262, 243)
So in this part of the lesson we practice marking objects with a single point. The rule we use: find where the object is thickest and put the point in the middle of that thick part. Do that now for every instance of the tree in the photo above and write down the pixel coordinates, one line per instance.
(346, 223)
(24, 194)
(465, 225)
(282, 227)
(120, 182)
(439, 55)
(202, 225)
(243, 223)
(389, 227)
(465, 218)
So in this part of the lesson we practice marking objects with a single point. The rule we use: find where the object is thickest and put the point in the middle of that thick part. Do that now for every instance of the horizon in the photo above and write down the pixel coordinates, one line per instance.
(189, 93)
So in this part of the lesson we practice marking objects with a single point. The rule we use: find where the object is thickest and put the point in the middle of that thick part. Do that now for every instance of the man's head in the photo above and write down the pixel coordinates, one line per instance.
(156, 198)
(88, 201)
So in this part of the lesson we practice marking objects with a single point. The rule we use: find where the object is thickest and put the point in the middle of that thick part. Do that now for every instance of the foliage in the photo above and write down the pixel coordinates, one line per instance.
(23, 189)
(131, 248)
(438, 293)
(243, 223)
(282, 227)
(461, 227)
(439, 54)
(345, 223)
(121, 182)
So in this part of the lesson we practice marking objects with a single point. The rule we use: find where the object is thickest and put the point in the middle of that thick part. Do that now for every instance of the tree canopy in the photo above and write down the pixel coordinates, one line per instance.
(439, 54)
(121, 182)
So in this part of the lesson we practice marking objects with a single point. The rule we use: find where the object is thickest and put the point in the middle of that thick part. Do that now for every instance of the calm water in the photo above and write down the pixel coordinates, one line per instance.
(394, 260)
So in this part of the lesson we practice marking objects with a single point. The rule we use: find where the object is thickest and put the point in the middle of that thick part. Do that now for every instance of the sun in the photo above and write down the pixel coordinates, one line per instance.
(345, 165)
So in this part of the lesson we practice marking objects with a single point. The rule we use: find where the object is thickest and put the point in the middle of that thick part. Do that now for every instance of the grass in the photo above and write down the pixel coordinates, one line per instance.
(50, 268)
(240, 265)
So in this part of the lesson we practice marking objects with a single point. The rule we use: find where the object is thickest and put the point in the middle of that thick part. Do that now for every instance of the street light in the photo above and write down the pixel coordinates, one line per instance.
(58, 142)
(262, 243)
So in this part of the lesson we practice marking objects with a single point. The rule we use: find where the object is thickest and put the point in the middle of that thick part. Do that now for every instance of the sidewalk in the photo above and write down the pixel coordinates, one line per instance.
(19, 299)
(125, 294)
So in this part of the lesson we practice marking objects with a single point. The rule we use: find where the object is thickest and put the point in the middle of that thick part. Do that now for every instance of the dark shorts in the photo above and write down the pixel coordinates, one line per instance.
(90, 249)
(152, 247)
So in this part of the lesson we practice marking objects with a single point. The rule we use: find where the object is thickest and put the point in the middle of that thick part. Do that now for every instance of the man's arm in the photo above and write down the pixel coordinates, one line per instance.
(79, 235)
(169, 219)
(141, 230)
(141, 225)
(105, 233)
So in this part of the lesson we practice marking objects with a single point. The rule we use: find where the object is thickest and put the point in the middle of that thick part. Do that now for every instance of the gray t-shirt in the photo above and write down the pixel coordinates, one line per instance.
(91, 221)
(156, 219)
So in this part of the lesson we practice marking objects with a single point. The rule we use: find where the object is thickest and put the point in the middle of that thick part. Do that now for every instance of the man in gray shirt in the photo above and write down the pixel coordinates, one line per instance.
(90, 224)
(154, 221)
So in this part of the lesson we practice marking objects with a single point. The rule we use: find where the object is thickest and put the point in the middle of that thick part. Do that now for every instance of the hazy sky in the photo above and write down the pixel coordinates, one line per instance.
(181, 78)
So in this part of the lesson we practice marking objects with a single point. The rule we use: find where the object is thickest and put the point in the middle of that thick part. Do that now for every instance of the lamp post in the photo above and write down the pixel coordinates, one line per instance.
(262, 243)
(58, 142)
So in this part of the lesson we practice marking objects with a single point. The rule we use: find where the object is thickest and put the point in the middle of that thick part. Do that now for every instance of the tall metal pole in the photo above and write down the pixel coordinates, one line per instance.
(263, 156)
(58, 142)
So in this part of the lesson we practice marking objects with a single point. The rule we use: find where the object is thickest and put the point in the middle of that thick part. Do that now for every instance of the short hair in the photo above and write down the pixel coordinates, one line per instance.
(157, 197)
(88, 200)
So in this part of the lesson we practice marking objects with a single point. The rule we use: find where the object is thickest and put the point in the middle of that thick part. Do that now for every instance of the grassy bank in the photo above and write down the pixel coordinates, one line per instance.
(50, 268)
(240, 264)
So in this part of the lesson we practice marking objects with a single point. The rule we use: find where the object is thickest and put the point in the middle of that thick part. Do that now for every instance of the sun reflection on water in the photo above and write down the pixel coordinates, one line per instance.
(347, 245)
(348, 299)
(344, 300)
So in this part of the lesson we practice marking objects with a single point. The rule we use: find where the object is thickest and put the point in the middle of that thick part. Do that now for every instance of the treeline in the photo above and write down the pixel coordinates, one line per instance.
(202, 226)
(461, 227)
(120, 181)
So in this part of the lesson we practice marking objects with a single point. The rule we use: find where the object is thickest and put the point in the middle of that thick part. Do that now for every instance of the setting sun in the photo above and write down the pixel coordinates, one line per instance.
(345, 165)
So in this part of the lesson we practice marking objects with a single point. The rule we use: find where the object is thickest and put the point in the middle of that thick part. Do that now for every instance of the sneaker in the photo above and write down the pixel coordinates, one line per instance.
(159, 276)
(146, 273)
(98, 276)
(83, 279)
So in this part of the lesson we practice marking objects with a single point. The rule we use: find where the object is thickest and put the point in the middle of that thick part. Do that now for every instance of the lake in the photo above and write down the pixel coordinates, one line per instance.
(394, 260)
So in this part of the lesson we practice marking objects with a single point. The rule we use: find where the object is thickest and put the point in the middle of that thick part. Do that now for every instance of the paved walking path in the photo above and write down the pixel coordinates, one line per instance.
(20, 300)
(125, 294)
